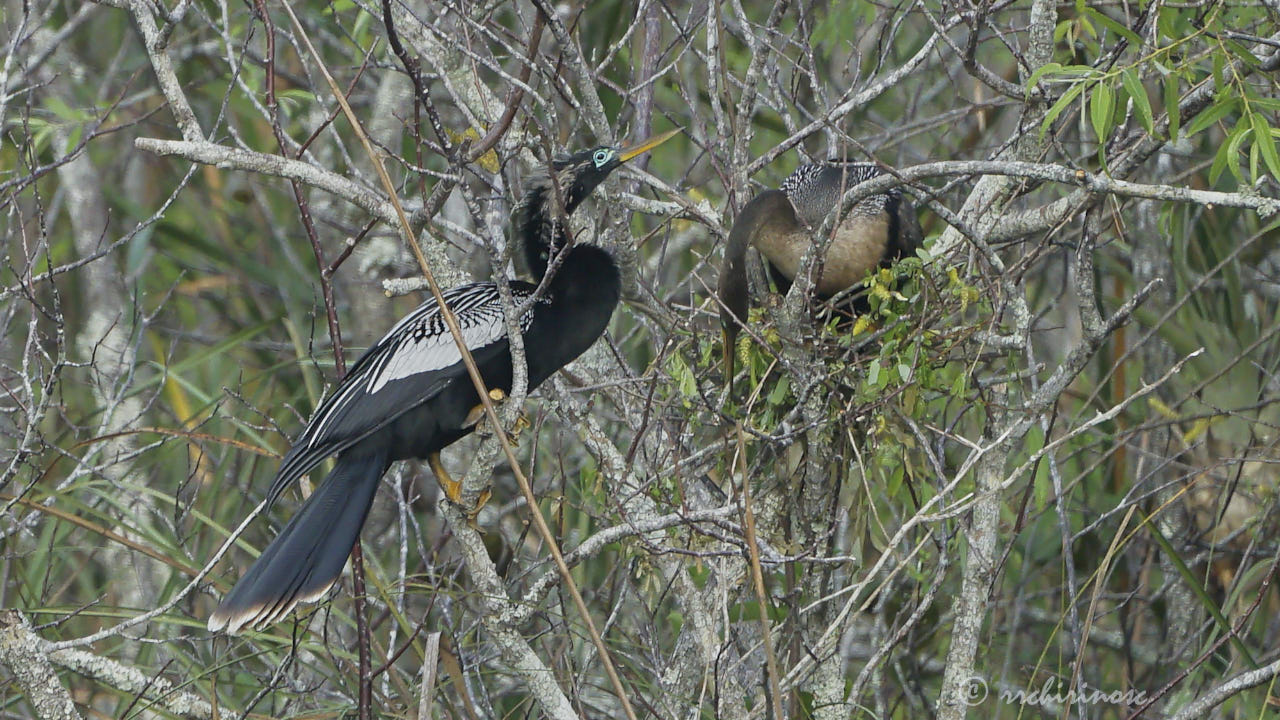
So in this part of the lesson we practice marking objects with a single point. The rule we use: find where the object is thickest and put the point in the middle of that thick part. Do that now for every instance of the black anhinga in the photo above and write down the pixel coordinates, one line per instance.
(409, 396)
(780, 224)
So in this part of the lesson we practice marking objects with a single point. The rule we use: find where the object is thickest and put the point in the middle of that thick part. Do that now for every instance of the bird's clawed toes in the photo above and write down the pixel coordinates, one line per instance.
(522, 422)
(474, 512)
(476, 418)
(453, 489)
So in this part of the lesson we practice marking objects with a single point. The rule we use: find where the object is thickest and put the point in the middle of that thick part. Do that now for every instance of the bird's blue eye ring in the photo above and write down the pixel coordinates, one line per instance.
(601, 157)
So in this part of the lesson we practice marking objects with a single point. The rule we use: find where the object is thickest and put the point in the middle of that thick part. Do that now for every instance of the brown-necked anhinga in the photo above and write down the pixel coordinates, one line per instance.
(780, 224)
(409, 396)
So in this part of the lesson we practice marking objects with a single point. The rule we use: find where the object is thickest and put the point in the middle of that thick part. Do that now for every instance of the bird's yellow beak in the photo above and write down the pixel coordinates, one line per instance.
(645, 146)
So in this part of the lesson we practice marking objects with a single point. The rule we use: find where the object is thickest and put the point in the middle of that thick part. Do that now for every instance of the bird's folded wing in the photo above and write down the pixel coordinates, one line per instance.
(411, 364)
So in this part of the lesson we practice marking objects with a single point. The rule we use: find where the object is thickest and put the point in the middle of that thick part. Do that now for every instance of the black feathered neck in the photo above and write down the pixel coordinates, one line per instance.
(586, 284)
(552, 196)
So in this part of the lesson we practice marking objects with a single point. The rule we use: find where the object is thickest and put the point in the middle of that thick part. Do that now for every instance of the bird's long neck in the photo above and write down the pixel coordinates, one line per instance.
(760, 214)
(768, 216)
(543, 223)
(585, 288)
(581, 298)
(768, 212)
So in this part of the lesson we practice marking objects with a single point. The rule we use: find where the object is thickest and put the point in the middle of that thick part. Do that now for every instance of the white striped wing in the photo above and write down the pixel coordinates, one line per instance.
(427, 344)
(416, 347)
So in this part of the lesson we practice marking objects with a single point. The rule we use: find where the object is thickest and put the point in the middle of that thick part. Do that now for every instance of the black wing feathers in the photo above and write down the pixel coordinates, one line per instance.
(411, 364)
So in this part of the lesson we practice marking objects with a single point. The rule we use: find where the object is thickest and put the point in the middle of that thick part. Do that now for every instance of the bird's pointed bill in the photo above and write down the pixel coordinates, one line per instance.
(645, 146)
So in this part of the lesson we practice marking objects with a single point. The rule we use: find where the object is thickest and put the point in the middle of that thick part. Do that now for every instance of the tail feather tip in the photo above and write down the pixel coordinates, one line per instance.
(229, 621)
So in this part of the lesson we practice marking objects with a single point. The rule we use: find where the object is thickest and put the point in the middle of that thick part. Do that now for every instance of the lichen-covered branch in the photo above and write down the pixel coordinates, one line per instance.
(22, 654)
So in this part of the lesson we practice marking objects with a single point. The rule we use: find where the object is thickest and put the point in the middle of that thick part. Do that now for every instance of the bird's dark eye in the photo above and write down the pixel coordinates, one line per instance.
(601, 157)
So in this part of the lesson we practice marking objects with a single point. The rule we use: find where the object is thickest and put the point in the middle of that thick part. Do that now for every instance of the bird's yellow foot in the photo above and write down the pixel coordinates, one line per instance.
(476, 414)
(474, 512)
(453, 489)
(476, 418)
(513, 437)
(522, 422)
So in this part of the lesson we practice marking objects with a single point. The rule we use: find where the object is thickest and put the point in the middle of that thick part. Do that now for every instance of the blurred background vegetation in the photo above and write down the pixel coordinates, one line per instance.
(166, 332)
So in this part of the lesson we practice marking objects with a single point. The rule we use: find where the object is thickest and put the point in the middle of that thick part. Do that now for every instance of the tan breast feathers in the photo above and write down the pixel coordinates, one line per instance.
(858, 246)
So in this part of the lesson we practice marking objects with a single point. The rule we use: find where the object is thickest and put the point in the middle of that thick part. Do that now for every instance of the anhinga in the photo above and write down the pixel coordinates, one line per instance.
(780, 224)
(409, 396)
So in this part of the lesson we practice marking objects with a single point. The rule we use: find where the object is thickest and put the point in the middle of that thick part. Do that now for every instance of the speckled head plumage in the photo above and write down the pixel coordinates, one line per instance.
(815, 189)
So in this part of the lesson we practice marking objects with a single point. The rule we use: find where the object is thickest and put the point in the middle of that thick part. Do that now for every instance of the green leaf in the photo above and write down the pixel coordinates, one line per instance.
(1265, 103)
(1220, 159)
(1042, 486)
(1040, 72)
(363, 21)
(1061, 29)
(699, 573)
(840, 17)
(1228, 155)
(1114, 26)
(41, 133)
(1212, 114)
(1172, 24)
(1264, 140)
(750, 610)
(1208, 603)
(683, 375)
(1101, 104)
(1086, 26)
(779, 392)
(138, 251)
(1239, 134)
(894, 482)
(300, 94)
(338, 6)
(73, 137)
(61, 109)
(1241, 52)
(1062, 103)
(1140, 101)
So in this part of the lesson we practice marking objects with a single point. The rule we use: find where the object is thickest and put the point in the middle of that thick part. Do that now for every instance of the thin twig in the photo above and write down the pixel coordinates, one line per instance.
(757, 575)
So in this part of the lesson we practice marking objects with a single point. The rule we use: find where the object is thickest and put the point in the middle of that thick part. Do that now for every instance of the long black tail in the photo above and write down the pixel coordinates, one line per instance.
(304, 561)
